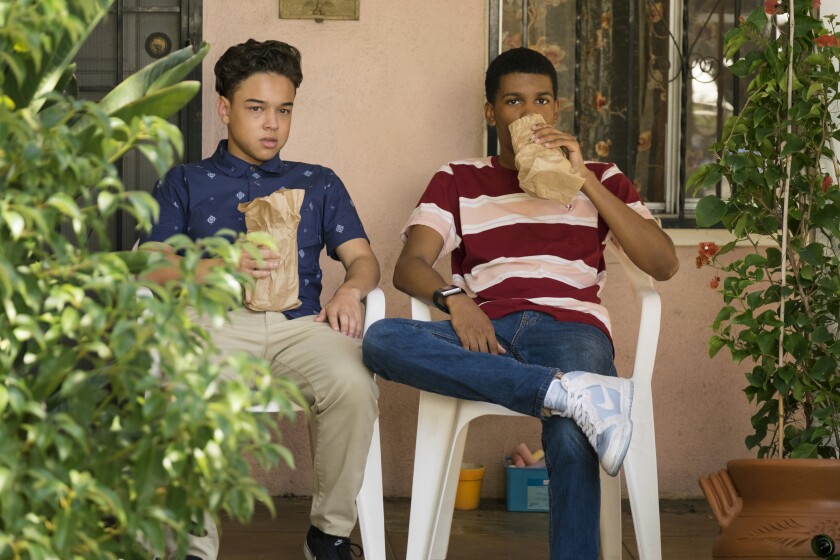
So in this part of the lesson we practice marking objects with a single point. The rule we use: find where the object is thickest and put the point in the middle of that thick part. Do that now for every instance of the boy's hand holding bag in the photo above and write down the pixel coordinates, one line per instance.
(277, 214)
(543, 172)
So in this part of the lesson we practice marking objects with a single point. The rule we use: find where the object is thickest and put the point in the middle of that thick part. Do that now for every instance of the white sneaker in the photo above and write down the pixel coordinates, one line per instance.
(600, 405)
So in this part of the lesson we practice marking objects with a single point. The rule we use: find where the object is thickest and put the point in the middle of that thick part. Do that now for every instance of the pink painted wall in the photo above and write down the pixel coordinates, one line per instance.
(385, 101)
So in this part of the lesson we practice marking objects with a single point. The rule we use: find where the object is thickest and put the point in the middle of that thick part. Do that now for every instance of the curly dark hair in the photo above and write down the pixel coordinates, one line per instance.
(517, 61)
(241, 61)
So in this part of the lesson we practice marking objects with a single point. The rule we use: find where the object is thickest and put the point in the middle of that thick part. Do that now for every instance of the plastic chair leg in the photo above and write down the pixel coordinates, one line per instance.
(436, 423)
(440, 538)
(643, 490)
(369, 503)
(610, 517)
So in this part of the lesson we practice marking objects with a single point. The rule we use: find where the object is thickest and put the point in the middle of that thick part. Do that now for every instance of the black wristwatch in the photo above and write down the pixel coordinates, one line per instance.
(442, 293)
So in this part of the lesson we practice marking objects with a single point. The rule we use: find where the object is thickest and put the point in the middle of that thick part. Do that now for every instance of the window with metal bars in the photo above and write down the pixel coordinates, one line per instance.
(642, 83)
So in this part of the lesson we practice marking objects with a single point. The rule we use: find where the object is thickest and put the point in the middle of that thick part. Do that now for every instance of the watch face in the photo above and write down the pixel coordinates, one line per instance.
(450, 291)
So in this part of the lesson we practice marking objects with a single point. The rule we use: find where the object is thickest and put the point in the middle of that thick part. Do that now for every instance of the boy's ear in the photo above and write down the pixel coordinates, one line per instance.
(223, 108)
(556, 112)
(489, 113)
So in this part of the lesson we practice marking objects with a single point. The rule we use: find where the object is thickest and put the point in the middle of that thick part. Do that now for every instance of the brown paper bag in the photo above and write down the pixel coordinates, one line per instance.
(277, 214)
(543, 172)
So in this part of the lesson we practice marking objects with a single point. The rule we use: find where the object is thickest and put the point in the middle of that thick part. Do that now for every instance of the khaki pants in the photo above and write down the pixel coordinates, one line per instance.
(342, 395)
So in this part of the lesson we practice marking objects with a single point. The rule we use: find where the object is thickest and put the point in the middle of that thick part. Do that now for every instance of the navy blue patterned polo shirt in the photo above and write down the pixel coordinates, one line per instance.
(199, 199)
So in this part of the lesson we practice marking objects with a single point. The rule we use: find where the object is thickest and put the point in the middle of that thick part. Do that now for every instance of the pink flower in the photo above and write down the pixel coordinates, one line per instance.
(708, 249)
(600, 101)
(705, 251)
(815, 4)
(826, 41)
(770, 7)
(826, 183)
(714, 283)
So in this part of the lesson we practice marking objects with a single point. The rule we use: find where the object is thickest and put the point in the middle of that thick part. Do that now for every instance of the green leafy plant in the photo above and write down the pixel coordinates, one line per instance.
(116, 421)
(781, 300)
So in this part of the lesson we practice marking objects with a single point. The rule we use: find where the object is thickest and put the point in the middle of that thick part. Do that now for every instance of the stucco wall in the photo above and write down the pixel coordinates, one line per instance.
(385, 101)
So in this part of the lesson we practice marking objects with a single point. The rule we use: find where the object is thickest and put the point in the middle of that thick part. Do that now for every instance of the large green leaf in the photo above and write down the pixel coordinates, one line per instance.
(43, 77)
(181, 71)
(136, 261)
(710, 210)
(159, 75)
(163, 103)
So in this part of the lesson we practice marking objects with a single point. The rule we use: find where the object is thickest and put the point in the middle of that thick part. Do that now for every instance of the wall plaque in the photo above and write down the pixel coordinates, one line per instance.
(319, 10)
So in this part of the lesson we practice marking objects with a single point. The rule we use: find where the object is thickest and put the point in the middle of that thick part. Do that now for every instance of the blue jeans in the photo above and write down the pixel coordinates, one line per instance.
(429, 356)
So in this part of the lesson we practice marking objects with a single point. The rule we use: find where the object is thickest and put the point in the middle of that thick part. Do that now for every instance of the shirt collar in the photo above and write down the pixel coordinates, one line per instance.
(234, 167)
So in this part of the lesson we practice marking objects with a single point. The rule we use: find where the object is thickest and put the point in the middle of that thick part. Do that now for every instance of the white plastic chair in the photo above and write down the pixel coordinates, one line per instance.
(369, 503)
(442, 424)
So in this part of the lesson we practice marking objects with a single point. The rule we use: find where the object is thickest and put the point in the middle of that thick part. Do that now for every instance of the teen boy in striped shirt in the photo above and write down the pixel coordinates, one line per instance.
(526, 328)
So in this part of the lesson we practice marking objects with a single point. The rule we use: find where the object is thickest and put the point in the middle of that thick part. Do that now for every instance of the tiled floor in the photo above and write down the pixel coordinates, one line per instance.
(487, 533)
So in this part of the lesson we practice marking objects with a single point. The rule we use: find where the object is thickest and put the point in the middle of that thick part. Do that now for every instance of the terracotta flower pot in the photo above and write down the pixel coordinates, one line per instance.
(772, 508)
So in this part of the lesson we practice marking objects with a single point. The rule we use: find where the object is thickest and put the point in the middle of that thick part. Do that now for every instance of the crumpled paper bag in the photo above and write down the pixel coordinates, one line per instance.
(277, 214)
(543, 172)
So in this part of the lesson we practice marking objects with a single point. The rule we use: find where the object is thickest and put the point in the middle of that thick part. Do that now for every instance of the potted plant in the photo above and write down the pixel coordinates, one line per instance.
(115, 424)
(779, 278)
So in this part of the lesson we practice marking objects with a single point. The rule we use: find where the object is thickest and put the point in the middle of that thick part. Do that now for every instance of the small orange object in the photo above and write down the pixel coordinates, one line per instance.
(523, 450)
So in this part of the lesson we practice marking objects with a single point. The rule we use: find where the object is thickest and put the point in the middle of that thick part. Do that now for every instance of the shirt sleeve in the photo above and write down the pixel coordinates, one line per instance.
(618, 184)
(438, 209)
(172, 197)
(341, 220)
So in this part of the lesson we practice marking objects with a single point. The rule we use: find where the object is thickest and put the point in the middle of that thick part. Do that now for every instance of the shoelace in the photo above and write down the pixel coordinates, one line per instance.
(352, 547)
(356, 550)
(580, 406)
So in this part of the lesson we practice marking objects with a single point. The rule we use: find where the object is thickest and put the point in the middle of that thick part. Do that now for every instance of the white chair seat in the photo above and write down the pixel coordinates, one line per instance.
(442, 426)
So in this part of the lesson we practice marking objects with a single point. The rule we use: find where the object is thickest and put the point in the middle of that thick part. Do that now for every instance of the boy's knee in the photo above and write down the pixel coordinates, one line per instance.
(384, 334)
(356, 387)
(380, 330)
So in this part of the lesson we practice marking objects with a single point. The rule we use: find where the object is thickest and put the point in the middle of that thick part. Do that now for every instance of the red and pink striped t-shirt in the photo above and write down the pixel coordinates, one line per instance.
(512, 251)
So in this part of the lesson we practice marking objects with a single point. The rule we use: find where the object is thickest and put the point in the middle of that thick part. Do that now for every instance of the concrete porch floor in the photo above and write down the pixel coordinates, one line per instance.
(487, 533)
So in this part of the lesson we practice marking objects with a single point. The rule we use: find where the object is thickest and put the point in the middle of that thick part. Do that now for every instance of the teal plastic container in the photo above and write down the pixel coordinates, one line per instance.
(527, 489)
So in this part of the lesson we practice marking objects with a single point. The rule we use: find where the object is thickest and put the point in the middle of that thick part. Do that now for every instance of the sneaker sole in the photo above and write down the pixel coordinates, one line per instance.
(614, 457)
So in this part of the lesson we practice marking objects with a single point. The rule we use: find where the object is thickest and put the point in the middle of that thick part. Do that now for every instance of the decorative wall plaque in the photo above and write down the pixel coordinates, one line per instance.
(319, 9)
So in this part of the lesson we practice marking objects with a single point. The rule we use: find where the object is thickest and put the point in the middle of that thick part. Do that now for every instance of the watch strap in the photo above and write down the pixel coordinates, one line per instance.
(437, 299)
(439, 296)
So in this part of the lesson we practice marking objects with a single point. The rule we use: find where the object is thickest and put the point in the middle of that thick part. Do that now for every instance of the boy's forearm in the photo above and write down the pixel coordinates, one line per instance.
(417, 278)
(172, 273)
(362, 276)
(643, 240)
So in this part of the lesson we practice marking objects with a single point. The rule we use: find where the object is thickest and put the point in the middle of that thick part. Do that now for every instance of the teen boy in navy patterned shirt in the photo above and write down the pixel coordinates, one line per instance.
(257, 83)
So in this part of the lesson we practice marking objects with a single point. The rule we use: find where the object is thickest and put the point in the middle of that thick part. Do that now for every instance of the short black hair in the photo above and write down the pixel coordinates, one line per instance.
(241, 61)
(517, 61)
